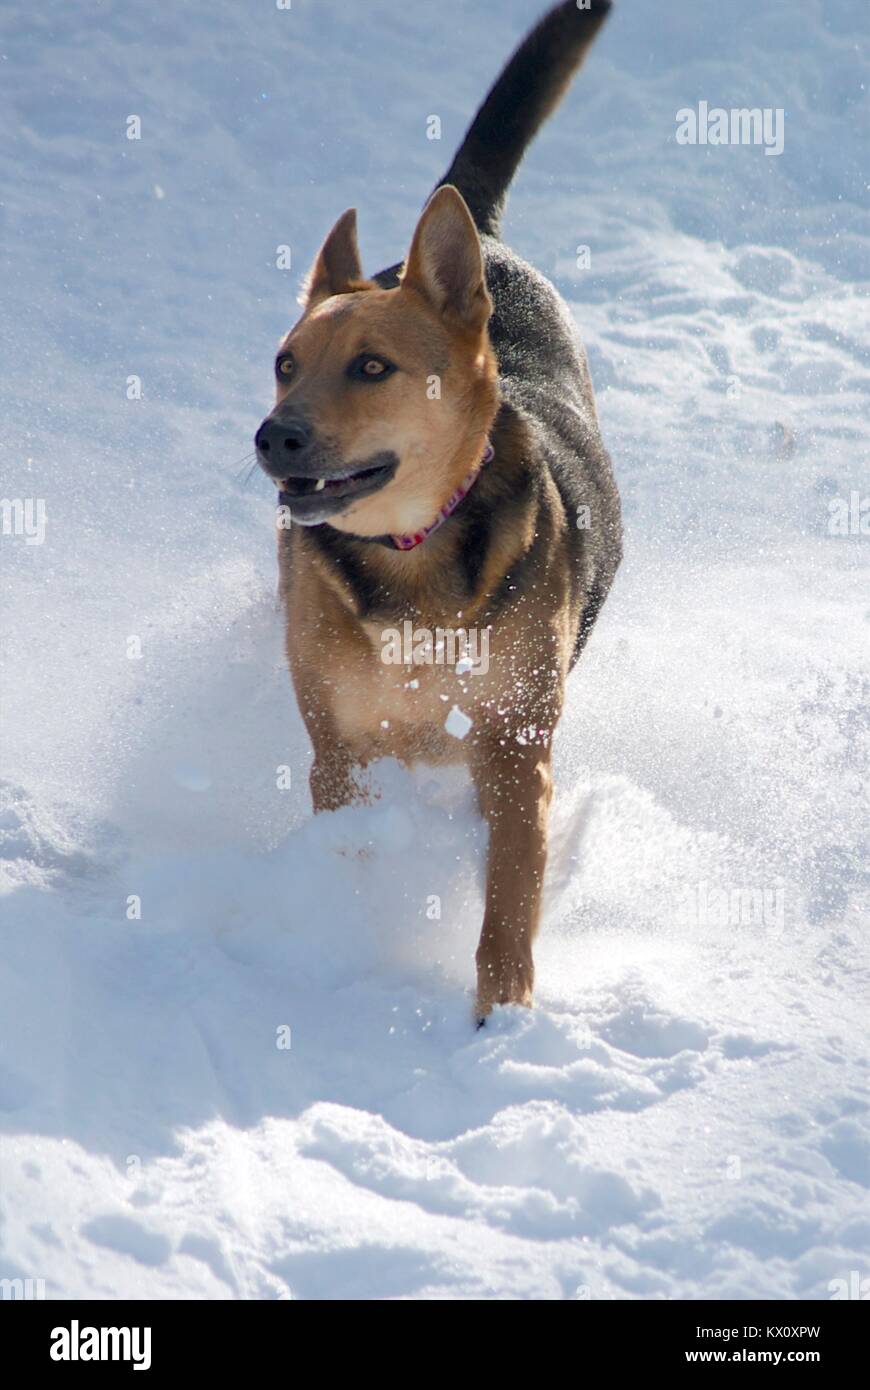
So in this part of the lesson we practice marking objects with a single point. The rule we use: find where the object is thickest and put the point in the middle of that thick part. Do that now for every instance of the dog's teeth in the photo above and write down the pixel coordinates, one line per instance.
(320, 485)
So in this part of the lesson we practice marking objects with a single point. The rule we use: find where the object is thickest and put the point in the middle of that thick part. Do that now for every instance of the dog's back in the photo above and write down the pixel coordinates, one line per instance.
(543, 372)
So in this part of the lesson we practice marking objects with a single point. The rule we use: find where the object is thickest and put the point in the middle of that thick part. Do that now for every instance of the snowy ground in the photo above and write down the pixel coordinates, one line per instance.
(685, 1113)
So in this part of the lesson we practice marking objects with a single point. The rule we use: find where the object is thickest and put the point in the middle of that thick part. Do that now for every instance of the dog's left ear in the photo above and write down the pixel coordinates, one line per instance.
(445, 262)
(337, 269)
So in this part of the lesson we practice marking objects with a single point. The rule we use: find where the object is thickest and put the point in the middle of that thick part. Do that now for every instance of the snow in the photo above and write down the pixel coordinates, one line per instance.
(458, 724)
(237, 1056)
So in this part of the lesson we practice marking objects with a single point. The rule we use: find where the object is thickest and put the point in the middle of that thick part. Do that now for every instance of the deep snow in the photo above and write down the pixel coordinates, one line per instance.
(685, 1112)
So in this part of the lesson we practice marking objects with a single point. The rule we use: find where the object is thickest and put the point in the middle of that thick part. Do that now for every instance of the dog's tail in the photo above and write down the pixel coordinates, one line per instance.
(528, 90)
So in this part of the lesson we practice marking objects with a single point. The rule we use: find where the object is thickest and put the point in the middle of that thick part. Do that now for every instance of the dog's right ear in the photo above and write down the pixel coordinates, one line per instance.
(445, 262)
(337, 269)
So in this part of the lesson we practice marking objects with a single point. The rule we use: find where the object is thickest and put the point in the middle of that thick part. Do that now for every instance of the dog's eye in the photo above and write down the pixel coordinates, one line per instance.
(285, 366)
(368, 368)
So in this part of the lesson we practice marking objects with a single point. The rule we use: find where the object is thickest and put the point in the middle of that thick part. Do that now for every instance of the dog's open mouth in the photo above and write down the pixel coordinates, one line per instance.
(347, 486)
(313, 499)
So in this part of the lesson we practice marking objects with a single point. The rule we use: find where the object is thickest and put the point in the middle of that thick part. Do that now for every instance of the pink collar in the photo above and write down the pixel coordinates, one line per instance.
(449, 507)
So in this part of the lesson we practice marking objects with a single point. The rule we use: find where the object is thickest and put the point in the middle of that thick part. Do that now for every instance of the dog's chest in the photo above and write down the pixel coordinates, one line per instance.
(415, 692)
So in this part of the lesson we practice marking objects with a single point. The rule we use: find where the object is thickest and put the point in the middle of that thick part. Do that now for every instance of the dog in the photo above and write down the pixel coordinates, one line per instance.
(437, 449)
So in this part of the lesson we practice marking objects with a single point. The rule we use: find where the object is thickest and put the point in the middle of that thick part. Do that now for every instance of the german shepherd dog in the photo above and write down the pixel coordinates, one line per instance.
(437, 450)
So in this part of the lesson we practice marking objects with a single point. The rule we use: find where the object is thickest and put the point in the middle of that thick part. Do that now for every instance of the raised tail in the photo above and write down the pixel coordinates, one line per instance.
(527, 92)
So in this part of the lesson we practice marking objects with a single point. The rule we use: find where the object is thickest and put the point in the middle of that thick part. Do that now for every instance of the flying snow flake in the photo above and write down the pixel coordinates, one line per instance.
(457, 723)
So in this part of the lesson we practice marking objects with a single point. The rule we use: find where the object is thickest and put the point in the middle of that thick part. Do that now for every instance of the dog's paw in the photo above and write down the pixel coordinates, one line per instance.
(488, 999)
(504, 981)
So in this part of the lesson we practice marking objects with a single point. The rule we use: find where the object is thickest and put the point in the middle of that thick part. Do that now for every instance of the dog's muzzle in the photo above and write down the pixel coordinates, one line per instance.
(282, 446)
(313, 482)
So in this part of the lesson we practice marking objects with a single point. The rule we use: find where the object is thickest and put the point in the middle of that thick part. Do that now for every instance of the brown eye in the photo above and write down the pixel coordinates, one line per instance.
(285, 367)
(367, 368)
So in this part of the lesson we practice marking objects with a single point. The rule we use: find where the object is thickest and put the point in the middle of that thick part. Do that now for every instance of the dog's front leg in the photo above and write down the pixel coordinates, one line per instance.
(331, 781)
(514, 787)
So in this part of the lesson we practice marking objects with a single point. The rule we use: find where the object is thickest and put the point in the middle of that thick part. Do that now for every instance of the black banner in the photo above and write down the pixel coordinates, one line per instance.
(160, 1339)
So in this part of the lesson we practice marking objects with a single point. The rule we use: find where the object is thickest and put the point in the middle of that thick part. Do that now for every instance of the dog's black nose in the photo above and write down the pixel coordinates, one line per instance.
(278, 440)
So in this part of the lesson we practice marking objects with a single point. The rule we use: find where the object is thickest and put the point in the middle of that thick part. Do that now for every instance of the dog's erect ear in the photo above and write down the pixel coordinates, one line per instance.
(337, 269)
(445, 262)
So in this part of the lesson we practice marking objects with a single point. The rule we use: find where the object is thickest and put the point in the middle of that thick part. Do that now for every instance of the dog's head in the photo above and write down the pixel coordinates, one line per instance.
(384, 397)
